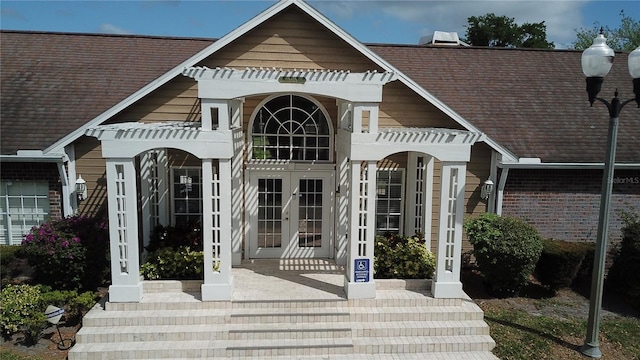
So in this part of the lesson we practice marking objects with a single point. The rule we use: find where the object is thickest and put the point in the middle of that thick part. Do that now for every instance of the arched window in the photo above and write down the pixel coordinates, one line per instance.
(291, 127)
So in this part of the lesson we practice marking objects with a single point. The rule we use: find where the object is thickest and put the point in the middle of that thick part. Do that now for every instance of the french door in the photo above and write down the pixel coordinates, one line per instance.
(290, 214)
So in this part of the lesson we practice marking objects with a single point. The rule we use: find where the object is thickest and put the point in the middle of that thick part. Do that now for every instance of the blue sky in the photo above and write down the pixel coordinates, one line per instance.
(400, 22)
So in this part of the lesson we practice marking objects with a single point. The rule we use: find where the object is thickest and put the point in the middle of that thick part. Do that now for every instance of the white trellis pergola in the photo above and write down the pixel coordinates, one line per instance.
(359, 146)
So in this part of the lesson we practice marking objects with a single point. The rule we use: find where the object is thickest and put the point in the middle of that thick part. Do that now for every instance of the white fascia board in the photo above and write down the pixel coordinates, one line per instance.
(44, 158)
(232, 90)
(171, 74)
(531, 165)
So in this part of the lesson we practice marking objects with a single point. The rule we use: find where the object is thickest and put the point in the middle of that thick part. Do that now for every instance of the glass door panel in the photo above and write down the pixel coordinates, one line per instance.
(269, 213)
(290, 214)
(310, 213)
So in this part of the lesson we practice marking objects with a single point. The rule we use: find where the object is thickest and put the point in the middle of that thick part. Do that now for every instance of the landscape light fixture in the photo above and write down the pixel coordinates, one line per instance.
(53, 315)
(597, 61)
(487, 189)
(81, 188)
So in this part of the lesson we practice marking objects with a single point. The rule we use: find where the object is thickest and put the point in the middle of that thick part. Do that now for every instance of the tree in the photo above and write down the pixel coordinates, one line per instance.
(502, 31)
(625, 38)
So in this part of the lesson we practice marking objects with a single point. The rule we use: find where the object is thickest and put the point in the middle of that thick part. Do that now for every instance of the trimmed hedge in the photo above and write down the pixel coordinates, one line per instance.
(506, 251)
(181, 263)
(624, 274)
(22, 309)
(560, 262)
(398, 257)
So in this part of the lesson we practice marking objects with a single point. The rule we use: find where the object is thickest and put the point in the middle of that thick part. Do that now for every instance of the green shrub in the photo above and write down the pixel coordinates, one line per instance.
(583, 278)
(560, 262)
(167, 263)
(74, 305)
(624, 274)
(19, 306)
(402, 258)
(22, 308)
(506, 250)
(68, 254)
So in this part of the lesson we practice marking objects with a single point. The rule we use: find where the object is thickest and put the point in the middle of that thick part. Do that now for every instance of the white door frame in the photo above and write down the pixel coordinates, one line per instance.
(291, 177)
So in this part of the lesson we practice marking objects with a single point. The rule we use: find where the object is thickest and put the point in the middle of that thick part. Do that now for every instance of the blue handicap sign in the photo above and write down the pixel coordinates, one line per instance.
(361, 270)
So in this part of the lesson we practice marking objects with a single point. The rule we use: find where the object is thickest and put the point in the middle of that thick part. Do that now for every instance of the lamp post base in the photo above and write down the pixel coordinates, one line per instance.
(592, 351)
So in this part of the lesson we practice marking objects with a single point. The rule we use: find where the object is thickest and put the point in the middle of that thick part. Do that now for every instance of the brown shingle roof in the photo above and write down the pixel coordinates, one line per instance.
(531, 101)
(53, 83)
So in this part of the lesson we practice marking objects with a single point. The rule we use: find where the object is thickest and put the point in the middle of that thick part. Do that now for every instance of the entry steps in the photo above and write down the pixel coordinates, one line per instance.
(398, 324)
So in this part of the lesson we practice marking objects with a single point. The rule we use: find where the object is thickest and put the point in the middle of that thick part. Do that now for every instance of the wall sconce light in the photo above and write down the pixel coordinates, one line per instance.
(487, 189)
(81, 188)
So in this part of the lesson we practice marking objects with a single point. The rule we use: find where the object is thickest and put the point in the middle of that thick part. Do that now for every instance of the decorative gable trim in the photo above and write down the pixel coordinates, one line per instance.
(230, 83)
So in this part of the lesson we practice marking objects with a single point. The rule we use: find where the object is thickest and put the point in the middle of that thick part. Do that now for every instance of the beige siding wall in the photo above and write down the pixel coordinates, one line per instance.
(91, 165)
(291, 40)
(401, 107)
(175, 101)
(478, 170)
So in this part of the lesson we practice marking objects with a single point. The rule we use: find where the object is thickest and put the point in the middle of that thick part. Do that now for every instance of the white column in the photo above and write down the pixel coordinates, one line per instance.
(236, 207)
(358, 113)
(419, 195)
(216, 228)
(223, 121)
(493, 176)
(359, 282)
(428, 199)
(123, 231)
(500, 190)
(447, 282)
(70, 203)
(236, 113)
(345, 115)
(342, 209)
(154, 191)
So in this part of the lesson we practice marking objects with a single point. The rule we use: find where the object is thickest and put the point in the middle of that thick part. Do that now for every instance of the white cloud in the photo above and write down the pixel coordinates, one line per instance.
(112, 29)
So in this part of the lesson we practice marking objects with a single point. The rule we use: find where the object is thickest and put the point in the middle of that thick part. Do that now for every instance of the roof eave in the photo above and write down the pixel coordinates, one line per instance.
(34, 158)
(564, 166)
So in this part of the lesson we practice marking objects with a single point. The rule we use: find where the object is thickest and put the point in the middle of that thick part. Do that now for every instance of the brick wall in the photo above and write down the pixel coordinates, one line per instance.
(564, 204)
(37, 172)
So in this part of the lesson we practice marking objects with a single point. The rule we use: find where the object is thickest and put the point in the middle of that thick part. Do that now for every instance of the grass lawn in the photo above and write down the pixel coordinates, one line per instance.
(522, 335)
(545, 325)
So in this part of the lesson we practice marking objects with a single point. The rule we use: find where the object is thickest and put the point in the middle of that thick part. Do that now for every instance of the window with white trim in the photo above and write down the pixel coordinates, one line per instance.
(23, 205)
(389, 201)
(187, 195)
(291, 127)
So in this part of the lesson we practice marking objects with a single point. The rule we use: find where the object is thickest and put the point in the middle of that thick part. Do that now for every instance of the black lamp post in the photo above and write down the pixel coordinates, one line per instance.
(596, 64)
